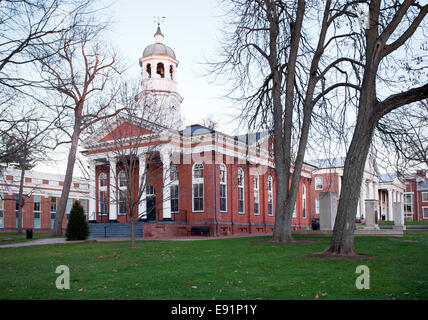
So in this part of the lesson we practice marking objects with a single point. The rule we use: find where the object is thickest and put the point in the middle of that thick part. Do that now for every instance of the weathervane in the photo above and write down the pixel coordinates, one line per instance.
(159, 20)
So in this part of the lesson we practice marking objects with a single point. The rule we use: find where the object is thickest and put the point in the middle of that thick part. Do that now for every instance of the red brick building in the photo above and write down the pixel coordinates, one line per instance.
(41, 194)
(416, 196)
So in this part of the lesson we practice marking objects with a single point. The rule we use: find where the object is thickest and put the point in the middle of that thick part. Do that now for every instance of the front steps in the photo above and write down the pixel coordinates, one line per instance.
(114, 230)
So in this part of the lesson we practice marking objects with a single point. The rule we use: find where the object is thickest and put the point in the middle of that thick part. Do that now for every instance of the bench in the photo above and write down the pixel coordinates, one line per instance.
(200, 230)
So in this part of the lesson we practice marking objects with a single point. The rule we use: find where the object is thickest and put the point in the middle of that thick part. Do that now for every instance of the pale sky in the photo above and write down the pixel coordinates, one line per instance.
(192, 29)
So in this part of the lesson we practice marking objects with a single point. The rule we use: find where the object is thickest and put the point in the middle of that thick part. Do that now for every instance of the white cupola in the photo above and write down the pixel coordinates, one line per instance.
(159, 83)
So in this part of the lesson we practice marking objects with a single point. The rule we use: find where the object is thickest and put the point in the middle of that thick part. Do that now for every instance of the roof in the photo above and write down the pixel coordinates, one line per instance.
(387, 177)
(423, 186)
(196, 129)
(328, 163)
(158, 49)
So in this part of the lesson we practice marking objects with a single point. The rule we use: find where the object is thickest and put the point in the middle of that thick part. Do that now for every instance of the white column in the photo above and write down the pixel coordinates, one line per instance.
(113, 190)
(92, 209)
(166, 162)
(389, 217)
(362, 203)
(142, 184)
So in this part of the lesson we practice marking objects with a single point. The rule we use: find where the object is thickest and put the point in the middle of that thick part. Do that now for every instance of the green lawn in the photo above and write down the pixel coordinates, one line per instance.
(217, 269)
(407, 223)
(8, 238)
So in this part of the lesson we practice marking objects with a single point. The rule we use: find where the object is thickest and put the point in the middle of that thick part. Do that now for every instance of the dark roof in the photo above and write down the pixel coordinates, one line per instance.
(423, 186)
(196, 129)
(387, 177)
(328, 163)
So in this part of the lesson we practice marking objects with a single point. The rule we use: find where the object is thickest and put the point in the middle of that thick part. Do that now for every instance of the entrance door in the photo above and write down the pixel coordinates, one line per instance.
(150, 203)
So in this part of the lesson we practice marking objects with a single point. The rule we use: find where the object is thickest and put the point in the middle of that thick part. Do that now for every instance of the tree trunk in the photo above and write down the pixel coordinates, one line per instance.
(57, 232)
(133, 242)
(20, 197)
(342, 241)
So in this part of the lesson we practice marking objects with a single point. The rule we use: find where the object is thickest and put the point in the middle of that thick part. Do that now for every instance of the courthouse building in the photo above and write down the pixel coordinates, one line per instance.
(186, 176)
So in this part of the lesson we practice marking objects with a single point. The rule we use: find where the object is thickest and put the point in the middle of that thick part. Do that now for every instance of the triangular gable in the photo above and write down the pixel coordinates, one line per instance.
(125, 130)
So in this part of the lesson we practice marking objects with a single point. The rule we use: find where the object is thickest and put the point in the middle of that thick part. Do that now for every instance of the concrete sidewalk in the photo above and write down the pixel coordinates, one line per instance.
(63, 241)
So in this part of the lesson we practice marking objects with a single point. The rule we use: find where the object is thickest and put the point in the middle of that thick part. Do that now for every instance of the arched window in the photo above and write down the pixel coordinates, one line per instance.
(198, 187)
(160, 70)
(174, 189)
(241, 198)
(270, 196)
(171, 72)
(122, 193)
(102, 192)
(223, 188)
(149, 70)
(256, 182)
(304, 201)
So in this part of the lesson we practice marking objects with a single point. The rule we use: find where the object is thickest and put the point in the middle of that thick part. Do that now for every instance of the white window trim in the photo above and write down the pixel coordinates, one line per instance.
(102, 189)
(39, 212)
(322, 183)
(304, 203)
(270, 194)
(121, 189)
(256, 177)
(424, 193)
(317, 206)
(423, 212)
(175, 184)
(223, 183)
(240, 170)
(198, 181)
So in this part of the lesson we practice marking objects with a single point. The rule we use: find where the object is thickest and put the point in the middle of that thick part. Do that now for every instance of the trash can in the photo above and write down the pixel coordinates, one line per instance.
(315, 224)
(29, 233)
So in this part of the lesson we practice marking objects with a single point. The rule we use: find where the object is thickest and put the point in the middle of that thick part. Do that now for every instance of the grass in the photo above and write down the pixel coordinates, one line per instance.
(8, 238)
(239, 268)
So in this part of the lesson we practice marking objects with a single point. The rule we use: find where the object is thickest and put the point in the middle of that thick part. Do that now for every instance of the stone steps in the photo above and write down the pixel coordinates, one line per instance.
(114, 230)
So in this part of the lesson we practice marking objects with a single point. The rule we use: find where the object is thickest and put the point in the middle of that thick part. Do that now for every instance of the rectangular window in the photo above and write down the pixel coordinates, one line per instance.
(198, 197)
(52, 219)
(68, 208)
(424, 196)
(408, 203)
(319, 183)
(84, 204)
(241, 200)
(317, 206)
(53, 211)
(122, 203)
(53, 204)
(174, 199)
(17, 209)
(425, 212)
(36, 212)
(256, 196)
(294, 212)
(103, 203)
(223, 198)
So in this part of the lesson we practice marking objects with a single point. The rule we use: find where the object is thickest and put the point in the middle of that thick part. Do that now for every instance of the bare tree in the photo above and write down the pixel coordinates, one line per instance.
(390, 27)
(79, 74)
(280, 55)
(26, 142)
(26, 28)
(404, 132)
